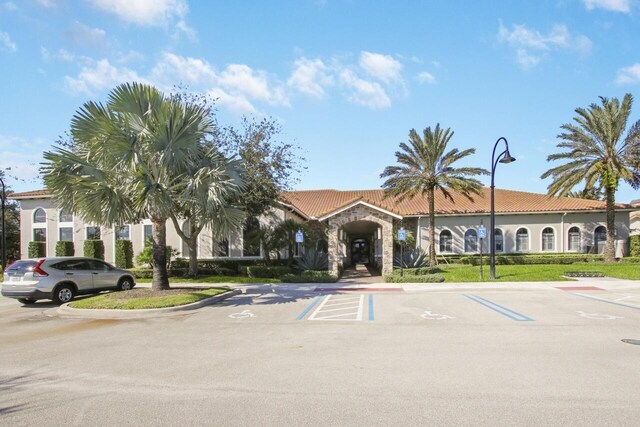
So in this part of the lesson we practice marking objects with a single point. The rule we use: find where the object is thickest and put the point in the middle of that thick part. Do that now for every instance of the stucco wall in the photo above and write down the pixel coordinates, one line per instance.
(534, 223)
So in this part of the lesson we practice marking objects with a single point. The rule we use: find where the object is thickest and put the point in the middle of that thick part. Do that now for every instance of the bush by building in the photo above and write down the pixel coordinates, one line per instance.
(65, 248)
(94, 249)
(37, 249)
(124, 254)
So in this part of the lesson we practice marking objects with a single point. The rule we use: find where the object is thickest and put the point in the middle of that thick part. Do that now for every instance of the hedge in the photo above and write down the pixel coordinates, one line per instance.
(94, 249)
(521, 259)
(142, 273)
(235, 266)
(267, 272)
(37, 249)
(310, 277)
(426, 278)
(630, 260)
(124, 254)
(584, 274)
(634, 246)
(65, 248)
(420, 271)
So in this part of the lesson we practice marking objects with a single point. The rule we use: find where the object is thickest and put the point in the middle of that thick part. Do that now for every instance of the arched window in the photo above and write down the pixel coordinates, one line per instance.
(471, 240)
(446, 241)
(548, 239)
(574, 239)
(39, 216)
(522, 240)
(65, 216)
(250, 240)
(599, 237)
(499, 240)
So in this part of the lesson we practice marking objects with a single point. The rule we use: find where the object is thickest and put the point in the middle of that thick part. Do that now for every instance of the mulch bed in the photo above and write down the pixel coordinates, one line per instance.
(147, 293)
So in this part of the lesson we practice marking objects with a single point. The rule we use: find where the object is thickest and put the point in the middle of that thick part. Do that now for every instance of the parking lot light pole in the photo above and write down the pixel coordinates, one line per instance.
(4, 231)
(504, 157)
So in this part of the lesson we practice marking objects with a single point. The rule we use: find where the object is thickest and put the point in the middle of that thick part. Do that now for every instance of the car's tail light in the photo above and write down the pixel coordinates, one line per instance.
(37, 271)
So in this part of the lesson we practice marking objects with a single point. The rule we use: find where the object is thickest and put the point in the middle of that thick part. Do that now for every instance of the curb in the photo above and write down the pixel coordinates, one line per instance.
(66, 311)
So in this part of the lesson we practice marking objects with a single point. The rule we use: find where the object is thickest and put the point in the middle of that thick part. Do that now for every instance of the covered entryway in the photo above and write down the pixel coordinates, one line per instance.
(360, 236)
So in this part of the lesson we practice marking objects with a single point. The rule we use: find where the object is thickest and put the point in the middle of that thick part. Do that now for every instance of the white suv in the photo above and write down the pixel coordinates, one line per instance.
(60, 279)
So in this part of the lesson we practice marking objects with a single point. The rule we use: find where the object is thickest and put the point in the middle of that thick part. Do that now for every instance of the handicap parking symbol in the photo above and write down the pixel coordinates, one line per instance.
(599, 316)
(242, 315)
(429, 315)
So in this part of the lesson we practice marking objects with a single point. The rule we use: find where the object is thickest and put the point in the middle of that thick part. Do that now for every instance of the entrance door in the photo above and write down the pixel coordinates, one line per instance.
(360, 251)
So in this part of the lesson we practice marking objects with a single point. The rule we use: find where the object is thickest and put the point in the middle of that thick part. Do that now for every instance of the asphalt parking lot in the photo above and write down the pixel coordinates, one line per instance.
(422, 355)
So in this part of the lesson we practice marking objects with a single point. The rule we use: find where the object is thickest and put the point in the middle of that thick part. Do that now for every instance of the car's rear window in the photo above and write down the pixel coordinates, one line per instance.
(21, 267)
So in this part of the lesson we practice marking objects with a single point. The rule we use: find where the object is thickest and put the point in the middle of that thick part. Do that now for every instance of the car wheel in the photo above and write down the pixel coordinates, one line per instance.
(125, 284)
(63, 294)
(26, 301)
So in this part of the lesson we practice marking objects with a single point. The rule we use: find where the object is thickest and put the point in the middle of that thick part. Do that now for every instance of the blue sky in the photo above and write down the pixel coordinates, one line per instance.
(347, 79)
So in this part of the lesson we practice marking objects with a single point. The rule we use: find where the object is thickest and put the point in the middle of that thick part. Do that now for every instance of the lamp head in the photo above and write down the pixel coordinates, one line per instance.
(507, 158)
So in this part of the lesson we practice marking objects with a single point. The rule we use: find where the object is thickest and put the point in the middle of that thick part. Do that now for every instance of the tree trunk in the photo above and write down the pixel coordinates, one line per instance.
(192, 243)
(160, 280)
(432, 227)
(610, 247)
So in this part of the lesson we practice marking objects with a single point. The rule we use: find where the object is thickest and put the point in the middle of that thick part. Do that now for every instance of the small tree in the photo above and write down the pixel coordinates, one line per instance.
(94, 249)
(124, 254)
(37, 249)
(65, 248)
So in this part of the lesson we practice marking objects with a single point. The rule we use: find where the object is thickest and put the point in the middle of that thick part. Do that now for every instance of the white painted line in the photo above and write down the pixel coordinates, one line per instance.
(599, 316)
(335, 316)
(332, 304)
(361, 308)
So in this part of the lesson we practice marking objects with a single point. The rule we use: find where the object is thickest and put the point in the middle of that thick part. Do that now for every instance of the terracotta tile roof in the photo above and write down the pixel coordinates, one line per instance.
(30, 194)
(317, 203)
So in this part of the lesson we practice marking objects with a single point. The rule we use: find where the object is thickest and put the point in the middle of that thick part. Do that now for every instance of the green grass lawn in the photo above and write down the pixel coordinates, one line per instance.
(537, 272)
(216, 279)
(119, 300)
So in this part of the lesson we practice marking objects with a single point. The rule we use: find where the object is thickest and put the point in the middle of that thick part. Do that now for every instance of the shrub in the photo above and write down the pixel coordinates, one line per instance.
(124, 254)
(426, 278)
(316, 277)
(421, 271)
(65, 248)
(630, 260)
(267, 272)
(414, 258)
(145, 257)
(313, 260)
(94, 249)
(37, 249)
(142, 273)
(584, 274)
(522, 259)
(634, 246)
(236, 266)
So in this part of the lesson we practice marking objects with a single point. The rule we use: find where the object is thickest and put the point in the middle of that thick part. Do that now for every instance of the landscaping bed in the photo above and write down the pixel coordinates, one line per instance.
(217, 279)
(147, 298)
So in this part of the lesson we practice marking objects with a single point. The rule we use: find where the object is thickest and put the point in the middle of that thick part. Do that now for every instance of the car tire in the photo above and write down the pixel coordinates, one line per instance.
(64, 294)
(26, 301)
(125, 284)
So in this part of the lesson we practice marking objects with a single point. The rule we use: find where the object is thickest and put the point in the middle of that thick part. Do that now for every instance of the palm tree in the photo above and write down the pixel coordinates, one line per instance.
(424, 167)
(125, 161)
(598, 156)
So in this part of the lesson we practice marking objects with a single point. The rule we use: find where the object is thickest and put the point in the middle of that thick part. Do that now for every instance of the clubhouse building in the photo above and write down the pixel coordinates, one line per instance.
(360, 225)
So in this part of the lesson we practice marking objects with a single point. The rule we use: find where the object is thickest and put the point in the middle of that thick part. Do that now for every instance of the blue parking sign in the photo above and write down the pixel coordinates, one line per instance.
(482, 232)
(402, 234)
(299, 237)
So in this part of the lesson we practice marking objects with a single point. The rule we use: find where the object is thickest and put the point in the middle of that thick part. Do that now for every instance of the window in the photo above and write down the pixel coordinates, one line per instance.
(39, 216)
(221, 248)
(93, 232)
(446, 241)
(250, 244)
(599, 235)
(548, 239)
(66, 234)
(74, 264)
(522, 240)
(122, 232)
(147, 233)
(499, 240)
(574, 239)
(65, 216)
(39, 234)
(471, 240)
(97, 265)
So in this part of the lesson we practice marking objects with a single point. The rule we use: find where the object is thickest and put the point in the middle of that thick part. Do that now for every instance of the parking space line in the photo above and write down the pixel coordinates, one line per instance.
(370, 306)
(507, 312)
(308, 309)
(350, 306)
(635, 307)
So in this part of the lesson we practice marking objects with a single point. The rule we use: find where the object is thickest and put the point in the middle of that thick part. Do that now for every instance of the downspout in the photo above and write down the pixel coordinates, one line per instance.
(562, 232)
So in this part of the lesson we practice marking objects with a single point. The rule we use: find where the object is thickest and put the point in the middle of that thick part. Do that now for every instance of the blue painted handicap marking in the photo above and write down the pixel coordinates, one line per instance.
(506, 312)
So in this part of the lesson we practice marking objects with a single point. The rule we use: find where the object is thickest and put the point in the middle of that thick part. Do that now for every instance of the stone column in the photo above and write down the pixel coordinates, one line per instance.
(333, 248)
(387, 248)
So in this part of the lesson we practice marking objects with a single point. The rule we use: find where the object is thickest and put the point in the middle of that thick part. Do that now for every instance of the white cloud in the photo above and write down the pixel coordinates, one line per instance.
(310, 77)
(236, 103)
(530, 45)
(102, 75)
(144, 12)
(629, 75)
(66, 56)
(363, 92)
(242, 79)
(6, 43)
(426, 77)
(381, 67)
(174, 68)
(21, 155)
(623, 6)
(86, 36)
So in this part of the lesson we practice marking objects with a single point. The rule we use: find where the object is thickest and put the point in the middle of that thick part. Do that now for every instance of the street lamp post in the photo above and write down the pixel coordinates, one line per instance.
(504, 157)
(4, 231)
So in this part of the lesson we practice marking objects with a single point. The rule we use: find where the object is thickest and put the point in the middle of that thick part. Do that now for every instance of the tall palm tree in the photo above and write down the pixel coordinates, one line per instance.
(125, 161)
(424, 167)
(598, 155)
